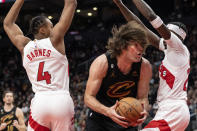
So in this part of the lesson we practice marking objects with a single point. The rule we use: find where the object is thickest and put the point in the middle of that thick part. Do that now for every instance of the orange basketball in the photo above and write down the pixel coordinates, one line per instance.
(130, 108)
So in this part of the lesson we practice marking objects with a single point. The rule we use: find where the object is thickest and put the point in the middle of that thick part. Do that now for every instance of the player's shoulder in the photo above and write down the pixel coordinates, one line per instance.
(145, 61)
(100, 64)
(18, 111)
(21, 41)
(146, 65)
(102, 59)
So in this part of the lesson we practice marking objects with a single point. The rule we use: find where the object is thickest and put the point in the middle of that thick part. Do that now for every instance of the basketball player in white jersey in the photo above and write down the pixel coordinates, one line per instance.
(46, 65)
(173, 113)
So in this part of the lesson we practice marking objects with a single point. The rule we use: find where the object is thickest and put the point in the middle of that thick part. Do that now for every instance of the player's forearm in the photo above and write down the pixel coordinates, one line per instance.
(145, 9)
(73, 2)
(95, 105)
(22, 128)
(70, 6)
(66, 17)
(151, 16)
(13, 13)
(145, 103)
(128, 15)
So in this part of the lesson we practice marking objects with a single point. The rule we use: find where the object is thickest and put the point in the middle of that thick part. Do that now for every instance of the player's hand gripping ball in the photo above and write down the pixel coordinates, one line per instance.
(130, 108)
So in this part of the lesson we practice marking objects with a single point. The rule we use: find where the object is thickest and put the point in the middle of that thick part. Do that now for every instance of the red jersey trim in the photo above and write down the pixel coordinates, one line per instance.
(36, 126)
(167, 75)
(161, 124)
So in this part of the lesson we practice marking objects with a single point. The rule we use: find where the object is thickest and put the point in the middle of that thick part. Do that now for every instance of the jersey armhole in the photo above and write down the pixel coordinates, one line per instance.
(162, 46)
(174, 42)
(107, 54)
(24, 50)
(55, 48)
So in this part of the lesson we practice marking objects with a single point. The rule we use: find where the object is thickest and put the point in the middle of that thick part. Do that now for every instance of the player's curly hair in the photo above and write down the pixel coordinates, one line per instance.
(122, 36)
(36, 23)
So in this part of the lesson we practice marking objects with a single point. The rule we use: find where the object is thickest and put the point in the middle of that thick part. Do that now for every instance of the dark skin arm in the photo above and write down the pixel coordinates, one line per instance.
(12, 29)
(60, 29)
(150, 15)
(129, 16)
(57, 35)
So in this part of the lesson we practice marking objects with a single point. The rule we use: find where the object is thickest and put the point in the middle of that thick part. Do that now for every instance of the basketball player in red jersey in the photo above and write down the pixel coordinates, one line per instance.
(46, 65)
(173, 113)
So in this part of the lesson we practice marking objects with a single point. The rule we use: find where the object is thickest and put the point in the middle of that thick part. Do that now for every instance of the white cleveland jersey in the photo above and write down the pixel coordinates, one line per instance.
(46, 68)
(174, 70)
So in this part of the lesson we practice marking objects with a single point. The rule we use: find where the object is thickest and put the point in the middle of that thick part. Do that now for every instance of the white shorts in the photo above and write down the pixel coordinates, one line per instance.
(51, 110)
(172, 115)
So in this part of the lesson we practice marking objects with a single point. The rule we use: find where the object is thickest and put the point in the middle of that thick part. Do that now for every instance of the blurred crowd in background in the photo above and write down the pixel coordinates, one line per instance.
(82, 46)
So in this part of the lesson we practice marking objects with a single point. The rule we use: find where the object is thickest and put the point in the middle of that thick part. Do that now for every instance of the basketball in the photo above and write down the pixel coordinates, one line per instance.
(130, 108)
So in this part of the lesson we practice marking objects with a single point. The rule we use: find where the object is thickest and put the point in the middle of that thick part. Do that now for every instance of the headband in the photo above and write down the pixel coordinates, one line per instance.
(177, 30)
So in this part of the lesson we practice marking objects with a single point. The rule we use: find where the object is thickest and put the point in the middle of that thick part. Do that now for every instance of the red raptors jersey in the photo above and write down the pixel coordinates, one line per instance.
(46, 68)
(174, 70)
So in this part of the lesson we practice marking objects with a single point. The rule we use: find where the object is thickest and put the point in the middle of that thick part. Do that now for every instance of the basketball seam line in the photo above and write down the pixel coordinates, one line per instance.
(121, 111)
(132, 107)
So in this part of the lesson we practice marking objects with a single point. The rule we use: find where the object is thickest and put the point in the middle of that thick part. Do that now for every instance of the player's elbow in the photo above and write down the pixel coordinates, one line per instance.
(6, 24)
(151, 16)
(87, 99)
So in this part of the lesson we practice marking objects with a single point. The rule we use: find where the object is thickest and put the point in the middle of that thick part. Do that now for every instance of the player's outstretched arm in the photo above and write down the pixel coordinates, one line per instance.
(129, 16)
(11, 28)
(64, 23)
(151, 16)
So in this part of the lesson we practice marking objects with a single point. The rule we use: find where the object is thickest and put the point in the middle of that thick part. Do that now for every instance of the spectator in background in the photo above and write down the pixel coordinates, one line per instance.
(11, 117)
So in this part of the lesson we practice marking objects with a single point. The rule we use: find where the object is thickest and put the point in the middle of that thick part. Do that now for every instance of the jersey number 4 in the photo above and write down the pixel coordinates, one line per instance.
(46, 76)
